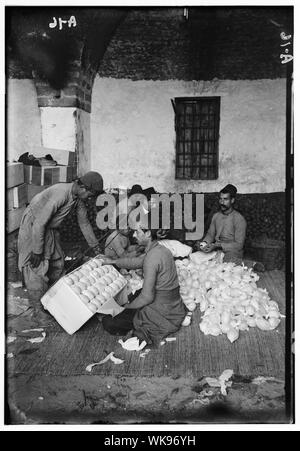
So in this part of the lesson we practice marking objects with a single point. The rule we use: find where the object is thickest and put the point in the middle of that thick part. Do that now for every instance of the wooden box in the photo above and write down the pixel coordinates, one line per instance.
(17, 196)
(66, 173)
(45, 175)
(13, 219)
(67, 305)
(15, 174)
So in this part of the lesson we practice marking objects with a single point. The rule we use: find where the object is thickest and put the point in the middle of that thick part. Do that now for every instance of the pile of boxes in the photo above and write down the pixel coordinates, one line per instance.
(23, 182)
(38, 178)
(16, 195)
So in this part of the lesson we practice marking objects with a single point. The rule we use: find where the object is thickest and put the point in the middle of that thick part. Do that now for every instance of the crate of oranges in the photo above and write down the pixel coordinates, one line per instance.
(87, 290)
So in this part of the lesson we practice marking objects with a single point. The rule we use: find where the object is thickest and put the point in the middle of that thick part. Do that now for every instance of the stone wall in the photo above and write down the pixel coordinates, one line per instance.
(235, 43)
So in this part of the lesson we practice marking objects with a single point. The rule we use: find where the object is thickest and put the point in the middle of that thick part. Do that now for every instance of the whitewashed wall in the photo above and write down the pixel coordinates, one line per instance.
(68, 129)
(23, 118)
(133, 136)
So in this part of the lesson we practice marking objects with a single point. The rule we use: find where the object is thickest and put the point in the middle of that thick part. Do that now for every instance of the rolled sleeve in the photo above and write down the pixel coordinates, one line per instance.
(117, 246)
(211, 234)
(130, 262)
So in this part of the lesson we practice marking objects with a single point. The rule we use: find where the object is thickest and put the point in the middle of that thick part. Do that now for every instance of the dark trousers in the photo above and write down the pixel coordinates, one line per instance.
(122, 323)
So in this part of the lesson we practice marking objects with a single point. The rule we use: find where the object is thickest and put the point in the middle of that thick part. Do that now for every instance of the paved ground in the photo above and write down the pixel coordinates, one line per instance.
(106, 400)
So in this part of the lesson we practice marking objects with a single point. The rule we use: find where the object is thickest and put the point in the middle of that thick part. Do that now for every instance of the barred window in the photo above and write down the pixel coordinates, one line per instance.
(197, 122)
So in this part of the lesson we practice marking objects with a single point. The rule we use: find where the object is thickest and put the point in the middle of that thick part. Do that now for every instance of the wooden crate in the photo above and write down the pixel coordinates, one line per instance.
(17, 197)
(66, 173)
(68, 307)
(15, 174)
(13, 219)
(45, 175)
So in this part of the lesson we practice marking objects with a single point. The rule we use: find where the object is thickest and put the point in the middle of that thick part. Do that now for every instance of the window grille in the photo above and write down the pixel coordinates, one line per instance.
(197, 122)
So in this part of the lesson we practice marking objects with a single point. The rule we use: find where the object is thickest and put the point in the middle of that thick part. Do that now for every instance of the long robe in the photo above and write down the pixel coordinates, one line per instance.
(39, 233)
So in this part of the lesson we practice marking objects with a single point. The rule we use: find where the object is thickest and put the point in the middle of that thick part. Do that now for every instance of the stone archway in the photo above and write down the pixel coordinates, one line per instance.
(63, 64)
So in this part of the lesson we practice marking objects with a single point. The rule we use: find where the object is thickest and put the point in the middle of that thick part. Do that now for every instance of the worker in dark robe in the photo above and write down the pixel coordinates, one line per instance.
(41, 258)
(158, 310)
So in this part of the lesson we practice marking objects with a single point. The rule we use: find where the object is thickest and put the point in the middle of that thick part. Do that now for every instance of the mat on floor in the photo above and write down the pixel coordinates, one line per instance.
(255, 353)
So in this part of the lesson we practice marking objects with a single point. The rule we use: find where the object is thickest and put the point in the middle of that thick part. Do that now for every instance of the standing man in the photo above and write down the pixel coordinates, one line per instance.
(227, 231)
(41, 258)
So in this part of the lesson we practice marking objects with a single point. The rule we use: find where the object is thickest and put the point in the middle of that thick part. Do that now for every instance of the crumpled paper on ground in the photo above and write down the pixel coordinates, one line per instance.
(132, 344)
(221, 382)
(16, 284)
(262, 380)
(110, 356)
(202, 401)
(36, 339)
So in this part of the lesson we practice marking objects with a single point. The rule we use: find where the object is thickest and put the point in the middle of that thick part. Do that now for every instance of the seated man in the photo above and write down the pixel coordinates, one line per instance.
(118, 245)
(117, 253)
(134, 260)
(227, 231)
(158, 310)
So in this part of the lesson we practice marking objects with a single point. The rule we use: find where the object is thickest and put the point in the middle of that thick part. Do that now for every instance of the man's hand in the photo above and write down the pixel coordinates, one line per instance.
(140, 250)
(202, 245)
(211, 247)
(207, 249)
(108, 261)
(97, 250)
(35, 259)
(130, 254)
(161, 234)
